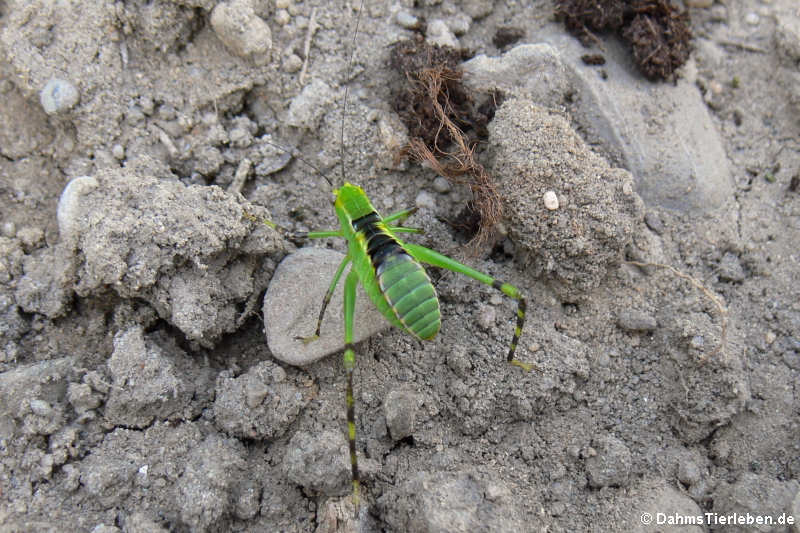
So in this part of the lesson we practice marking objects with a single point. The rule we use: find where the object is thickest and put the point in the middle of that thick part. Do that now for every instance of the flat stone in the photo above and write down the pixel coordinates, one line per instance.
(294, 298)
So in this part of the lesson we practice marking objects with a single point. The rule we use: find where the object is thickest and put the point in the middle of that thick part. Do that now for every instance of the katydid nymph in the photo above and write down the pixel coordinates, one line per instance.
(391, 274)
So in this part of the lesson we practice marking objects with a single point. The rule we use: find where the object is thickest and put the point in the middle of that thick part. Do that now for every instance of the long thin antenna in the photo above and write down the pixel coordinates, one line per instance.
(294, 153)
(347, 89)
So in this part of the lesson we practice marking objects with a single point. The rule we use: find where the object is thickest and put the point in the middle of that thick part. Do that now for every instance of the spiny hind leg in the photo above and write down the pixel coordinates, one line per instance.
(350, 285)
(431, 257)
(326, 300)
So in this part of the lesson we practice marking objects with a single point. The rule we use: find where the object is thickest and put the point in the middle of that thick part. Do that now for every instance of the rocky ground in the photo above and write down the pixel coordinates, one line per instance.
(654, 227)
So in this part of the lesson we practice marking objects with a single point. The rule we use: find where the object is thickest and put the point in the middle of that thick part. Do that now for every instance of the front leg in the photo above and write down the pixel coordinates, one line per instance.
(326, 300)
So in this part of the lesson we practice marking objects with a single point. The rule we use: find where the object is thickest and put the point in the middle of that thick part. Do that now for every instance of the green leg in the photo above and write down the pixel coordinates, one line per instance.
(350, 285)
(400, 215)
(323, 234)
(403, 229)
(326, 301)
(426, 255)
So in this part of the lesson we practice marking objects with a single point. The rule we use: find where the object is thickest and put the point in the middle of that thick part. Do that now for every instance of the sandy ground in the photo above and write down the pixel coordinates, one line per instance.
(138, 391)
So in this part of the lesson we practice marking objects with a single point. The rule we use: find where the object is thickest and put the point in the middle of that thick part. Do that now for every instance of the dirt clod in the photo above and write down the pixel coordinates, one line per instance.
(658, 31)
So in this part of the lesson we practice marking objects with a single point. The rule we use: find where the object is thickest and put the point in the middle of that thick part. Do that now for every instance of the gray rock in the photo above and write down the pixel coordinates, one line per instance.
(679, 165)
(242, 32)
(611, 466)
(634, 320)
(294, 298)
(575, 244)
(400, 409)
(451, 503)
(318, 463)
(152, 379)
(258, 405)
(190, 252)
(58, 96)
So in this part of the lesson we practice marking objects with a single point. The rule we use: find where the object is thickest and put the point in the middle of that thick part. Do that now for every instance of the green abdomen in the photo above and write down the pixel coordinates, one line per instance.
(403, 282)
(407, 288)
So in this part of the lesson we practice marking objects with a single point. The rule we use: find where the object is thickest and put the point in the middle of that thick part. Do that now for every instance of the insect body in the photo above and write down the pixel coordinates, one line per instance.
(392, 276)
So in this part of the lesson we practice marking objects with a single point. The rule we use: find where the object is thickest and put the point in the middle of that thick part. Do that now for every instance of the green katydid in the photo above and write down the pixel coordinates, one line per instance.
(390, 272)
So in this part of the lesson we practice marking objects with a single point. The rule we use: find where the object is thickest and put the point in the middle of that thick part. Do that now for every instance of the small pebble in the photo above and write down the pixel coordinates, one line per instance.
(282, 17)
(487, 317)
(147, 105)
(697, 342)
(752, 18)
(118, 151)
(242, 32)
(9, 229)
(731, 269)
(688, 472)
(425, 200)
(292, 63)
(715, 87)
(550, 200)
(631, 320)
(58, 96)
(407, 20)
(31, 237)
(770, 337)
(400, 409)
(439, 33)
(441, 185)
(41, 408)
(282, 4)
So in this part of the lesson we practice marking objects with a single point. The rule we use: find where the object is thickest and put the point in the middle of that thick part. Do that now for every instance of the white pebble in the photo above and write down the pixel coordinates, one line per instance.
(441, 185)
(407, 20)
(242, 31)
(425, 200)
(752, 18)
(439, 33)
(58, 96)
(550, 200)
(282, 17)
(282, 4)
(118, 151)
(9, 229)
(487, 317)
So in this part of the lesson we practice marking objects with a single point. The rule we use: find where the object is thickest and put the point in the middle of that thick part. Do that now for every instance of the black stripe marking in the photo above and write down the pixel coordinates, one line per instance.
(366, 220)
(380, 245)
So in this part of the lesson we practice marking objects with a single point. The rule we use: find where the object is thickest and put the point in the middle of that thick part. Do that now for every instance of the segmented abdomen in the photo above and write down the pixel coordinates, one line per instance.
(402, 280)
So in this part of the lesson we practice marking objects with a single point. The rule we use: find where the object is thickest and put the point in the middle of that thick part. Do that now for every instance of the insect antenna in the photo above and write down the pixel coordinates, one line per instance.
(347, 89)
(295, 153)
